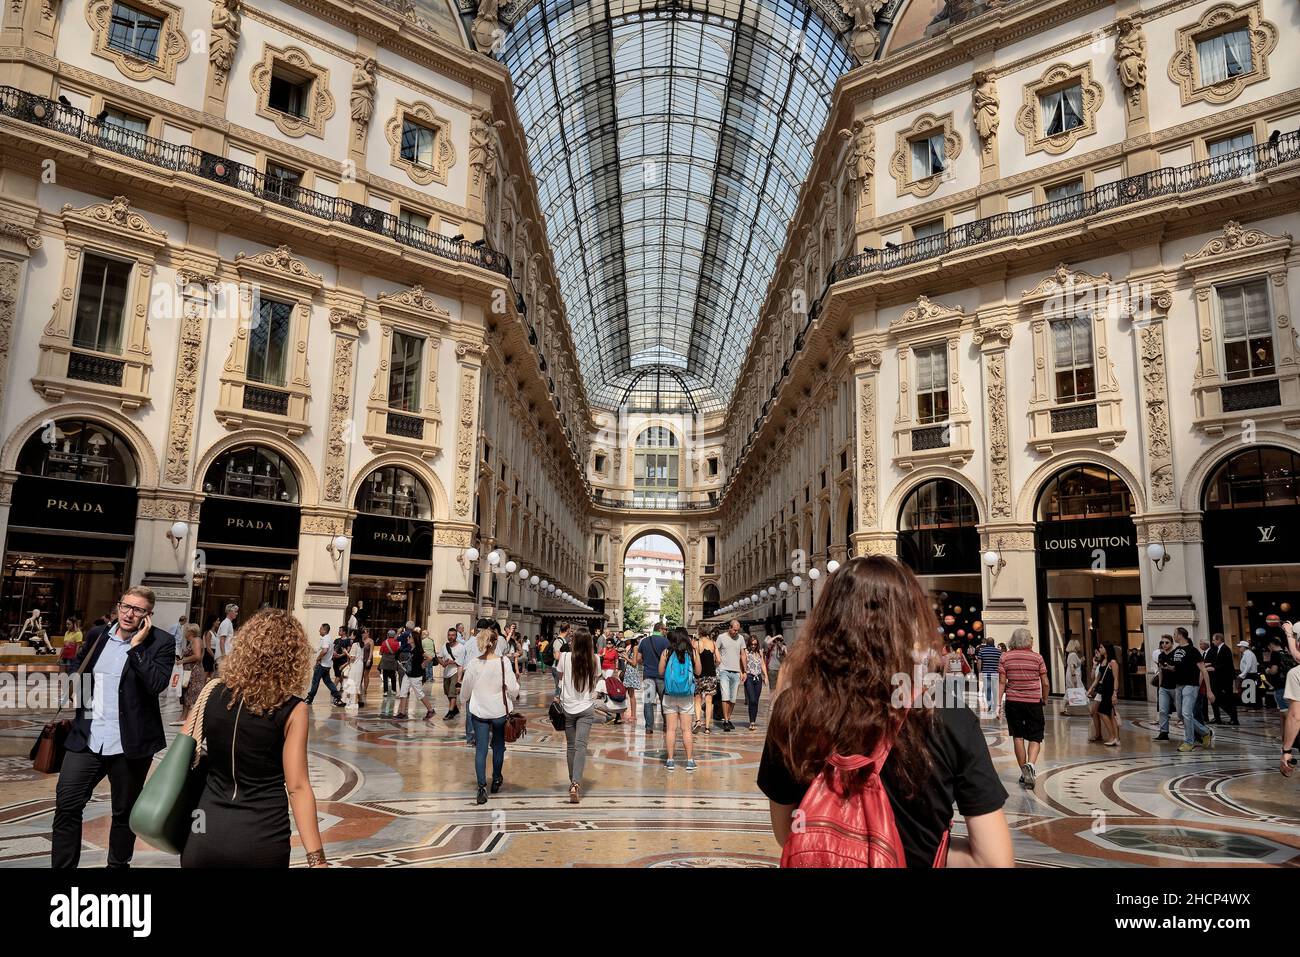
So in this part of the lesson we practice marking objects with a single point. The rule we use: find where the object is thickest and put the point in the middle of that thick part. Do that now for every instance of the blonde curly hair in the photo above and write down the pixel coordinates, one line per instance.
(271, 662)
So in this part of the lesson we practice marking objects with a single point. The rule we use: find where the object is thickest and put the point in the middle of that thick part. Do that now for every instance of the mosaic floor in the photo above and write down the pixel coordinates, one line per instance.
(401, 793)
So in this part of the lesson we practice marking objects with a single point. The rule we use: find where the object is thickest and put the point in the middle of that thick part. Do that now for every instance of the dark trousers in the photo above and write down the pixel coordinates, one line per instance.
(82, 770)
(485, 728)
(390, 681)
(321, 673)
(1226, 699)
(753, 689)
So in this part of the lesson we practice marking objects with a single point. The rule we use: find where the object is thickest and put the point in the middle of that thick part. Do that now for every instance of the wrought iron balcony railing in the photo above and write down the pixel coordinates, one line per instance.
(95, 368)
(50, 114)
(405, 426)
(270, 401)
(1251, 395)
(1171, 181)
(1074, 418)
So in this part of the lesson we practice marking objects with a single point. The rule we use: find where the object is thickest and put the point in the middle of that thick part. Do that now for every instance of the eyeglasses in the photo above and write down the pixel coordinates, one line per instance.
(123, 607)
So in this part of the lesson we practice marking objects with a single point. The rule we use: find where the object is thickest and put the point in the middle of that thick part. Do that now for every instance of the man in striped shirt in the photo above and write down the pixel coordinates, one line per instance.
(988, 656)
(1022, 677)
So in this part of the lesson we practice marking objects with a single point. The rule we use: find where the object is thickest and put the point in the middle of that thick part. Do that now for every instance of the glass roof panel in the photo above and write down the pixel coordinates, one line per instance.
(670, 142)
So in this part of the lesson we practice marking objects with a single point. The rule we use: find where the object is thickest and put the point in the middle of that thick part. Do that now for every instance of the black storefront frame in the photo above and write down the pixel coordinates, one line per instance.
(230, 528)
(390, 547)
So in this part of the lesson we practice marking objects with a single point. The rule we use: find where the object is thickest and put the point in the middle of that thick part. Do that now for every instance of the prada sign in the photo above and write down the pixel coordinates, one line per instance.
(940, 551)
(1090, 543)
(248, 523)
(73, 506)
(1251, 536)
(382, 536)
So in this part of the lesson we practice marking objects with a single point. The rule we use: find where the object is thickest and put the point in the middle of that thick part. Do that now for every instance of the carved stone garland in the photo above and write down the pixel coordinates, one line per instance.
(1155, 399)
(189, 358)
(465, 438)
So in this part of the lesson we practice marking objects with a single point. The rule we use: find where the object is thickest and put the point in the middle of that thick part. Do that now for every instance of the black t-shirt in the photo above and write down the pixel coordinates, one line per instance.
(1186, 661)
(961, 773)
(1167, 680)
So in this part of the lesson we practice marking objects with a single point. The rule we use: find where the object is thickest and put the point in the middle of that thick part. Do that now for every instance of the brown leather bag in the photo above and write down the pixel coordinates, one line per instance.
(50, 747)
(516, 723)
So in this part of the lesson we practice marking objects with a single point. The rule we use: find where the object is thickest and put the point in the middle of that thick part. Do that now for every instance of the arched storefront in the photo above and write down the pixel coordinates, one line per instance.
(1088, 584)
(71, 525)
(248, 533)
(1252, 518)
(711, 600)
(938, 539)
(392, 550)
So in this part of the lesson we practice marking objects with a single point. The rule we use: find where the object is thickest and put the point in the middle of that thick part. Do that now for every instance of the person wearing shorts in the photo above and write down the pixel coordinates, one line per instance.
(731, 645)
(1022, 678)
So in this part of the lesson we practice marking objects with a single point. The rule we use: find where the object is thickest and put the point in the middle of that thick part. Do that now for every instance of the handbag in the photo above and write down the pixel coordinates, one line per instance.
(163, 813)
(556, 713)
(516, 723)
(51, 744)
(1076, 697)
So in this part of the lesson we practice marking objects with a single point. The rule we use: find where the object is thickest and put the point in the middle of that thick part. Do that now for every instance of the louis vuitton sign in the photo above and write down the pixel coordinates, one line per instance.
(1251, 536)
(247, 523)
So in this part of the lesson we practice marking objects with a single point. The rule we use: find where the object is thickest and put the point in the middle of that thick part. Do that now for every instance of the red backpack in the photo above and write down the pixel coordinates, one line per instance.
(839, 829)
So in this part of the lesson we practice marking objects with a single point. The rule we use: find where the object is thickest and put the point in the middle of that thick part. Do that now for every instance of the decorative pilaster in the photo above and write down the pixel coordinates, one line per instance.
(868, 368)
(1131, 64)
(16, 244)
(470, 354)
(346, 322)
(1150, 344)
(993, 335)
(194, 283)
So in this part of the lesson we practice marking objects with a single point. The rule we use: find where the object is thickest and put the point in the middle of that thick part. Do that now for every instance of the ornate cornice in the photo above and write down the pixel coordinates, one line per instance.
(281, 264)
(1236, 239)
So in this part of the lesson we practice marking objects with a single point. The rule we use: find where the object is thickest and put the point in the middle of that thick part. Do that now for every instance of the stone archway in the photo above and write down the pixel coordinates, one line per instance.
(679, 537)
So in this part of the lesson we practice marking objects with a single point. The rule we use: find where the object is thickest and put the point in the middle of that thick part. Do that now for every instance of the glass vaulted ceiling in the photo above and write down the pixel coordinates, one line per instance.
(670, 141)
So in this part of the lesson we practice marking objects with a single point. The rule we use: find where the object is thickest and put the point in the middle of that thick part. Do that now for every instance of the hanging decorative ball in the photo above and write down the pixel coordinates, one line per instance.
(949, 620)
(961, 633)
(1260, 632)
(1273, 621)
(977, 626)
(1250, 604)
(1285, 606)
(957, 609)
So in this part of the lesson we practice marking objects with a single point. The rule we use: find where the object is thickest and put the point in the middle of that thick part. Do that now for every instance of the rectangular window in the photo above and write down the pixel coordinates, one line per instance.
(412, 219)
(1223, 57)
(282, 181)
(1230, 144)
(1063, 191)
(134, 32)
(124, 127)
(710, 550)
(1247, 329)
(598, 546)
(268, 342)
(101, 303)
(928, 230)
(931, 383)
(1062, 110)
(1072, 358)
(417, 143)
(289, 93)
(404, 373)
(713, 466)
(600, 463)
(927, 157)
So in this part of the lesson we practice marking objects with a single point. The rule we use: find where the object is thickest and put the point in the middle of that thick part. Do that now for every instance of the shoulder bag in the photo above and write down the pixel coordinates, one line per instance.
(51, 745)
(164, 812)
(516, 723)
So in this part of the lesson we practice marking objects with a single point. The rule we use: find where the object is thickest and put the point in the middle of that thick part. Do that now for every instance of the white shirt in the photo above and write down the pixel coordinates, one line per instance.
(327, 646)
(225, 639)
(1249, 663)
(571, 699)
(480, 690)
(352, 623)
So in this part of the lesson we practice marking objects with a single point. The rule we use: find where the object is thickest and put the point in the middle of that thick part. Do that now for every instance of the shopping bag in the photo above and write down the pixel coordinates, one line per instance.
(176, 683)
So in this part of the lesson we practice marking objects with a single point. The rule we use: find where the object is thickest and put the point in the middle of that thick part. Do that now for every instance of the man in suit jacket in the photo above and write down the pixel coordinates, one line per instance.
(1225, 670)
(116, 733)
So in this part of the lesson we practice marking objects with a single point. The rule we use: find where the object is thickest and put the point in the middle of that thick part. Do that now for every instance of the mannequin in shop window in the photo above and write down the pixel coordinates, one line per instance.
(33, 631)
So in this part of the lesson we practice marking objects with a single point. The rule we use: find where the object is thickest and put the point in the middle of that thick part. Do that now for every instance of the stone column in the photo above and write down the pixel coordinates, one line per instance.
(320, 586)
(450, 598)
(18, 239)
(159, 561)
(1010, 598)
(866, 362)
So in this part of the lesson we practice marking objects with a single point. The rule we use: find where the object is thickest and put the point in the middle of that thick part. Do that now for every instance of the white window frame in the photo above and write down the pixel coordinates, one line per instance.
(1264, 327)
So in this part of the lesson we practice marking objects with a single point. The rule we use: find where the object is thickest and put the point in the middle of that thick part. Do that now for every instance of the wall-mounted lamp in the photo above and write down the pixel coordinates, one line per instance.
(337, 545)
(511, 567)
(176, 534)
(494, 557)
(814, 574)
(994, 560)
(797, 581)
(832, 567)
(1158, 554)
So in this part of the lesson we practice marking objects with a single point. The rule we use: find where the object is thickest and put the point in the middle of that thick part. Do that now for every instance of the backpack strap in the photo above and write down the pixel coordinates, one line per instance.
(941, 855)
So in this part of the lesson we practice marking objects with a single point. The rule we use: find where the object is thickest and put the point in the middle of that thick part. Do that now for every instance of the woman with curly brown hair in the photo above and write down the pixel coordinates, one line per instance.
(255, 725)
(841, 716)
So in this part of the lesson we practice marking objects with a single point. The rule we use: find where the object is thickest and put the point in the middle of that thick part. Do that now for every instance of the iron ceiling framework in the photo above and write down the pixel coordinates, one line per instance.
(670, 141)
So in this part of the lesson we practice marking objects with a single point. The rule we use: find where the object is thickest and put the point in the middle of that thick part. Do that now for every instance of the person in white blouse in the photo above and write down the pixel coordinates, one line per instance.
(579, 674)
(488, 693)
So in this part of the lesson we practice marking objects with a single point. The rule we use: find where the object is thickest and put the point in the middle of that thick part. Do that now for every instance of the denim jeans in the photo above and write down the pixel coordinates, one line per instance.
(469, 726)
(753, 690)
(483, 728)
(990, 692)
(1192, 726)
(576, 729)
(649, 700)
(319, 674)
(1168, 704)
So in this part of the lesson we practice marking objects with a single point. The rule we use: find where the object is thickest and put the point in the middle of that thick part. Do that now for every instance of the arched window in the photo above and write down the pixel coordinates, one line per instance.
(656, 465)
(1084, 491)
(940, 503)
(252, 471)
(1255, 478)
(78, 450)
(595, 592)
(393, 490)
(711, 593)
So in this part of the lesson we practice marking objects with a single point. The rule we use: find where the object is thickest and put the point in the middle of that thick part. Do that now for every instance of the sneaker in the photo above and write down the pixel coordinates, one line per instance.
(690, 765)
(1207, 740)
(1031, 776)
(1022, 776)
(670, 765)
(1184, 747)
(482, 796)
(1162, 736)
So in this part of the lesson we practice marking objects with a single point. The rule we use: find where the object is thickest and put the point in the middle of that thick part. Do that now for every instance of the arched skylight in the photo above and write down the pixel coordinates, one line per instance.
(670, 141)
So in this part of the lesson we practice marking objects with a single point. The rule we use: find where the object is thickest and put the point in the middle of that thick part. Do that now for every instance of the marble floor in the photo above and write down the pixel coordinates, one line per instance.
(401, 793)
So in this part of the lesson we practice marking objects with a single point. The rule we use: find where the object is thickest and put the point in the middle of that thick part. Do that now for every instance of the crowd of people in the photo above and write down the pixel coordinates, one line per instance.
(834, 722)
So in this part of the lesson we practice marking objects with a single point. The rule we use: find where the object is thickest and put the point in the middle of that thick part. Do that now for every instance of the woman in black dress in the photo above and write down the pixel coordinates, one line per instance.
(255, 726)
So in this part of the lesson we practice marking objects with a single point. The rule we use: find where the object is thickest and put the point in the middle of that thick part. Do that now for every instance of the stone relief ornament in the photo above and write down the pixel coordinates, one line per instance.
(986, 106)
(465, 439)
(864, 39)
(340, 408)
(1159, 457)
(867, 452)
(1131, 57)
(999, 449)
(486, 29)
(483, 147)
(861, 158)
(1235, 237)
(224, 37)
(29, 236)
(177, 469)
(363, 94)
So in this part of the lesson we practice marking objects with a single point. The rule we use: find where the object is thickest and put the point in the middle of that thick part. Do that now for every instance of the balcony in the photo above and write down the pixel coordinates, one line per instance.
(97, 369)
(931, 437)
(270, 401)
(405, 426)
(1074, 418)
(52, 115)
(1251, 395)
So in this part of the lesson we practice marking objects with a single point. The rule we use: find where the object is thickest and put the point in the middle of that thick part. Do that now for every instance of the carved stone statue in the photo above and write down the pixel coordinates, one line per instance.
(864, 40)
(1131, 55)
(486, 27)
(224, 38)
(483, 146)
(861, 158)
(363, 91)
(986, 108)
